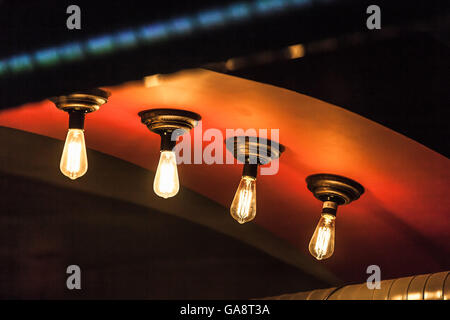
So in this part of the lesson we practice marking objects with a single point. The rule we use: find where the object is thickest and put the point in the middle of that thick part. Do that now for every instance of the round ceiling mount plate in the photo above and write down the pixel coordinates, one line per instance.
(331, 187)
(158, 120)
(253, 149)
(87, 101)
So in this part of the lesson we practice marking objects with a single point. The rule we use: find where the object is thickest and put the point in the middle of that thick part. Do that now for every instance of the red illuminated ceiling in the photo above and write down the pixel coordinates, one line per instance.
(401, 223)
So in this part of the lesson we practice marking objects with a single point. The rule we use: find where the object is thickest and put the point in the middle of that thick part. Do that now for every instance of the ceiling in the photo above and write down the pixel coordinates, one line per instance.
(399, 81)
(401, 222)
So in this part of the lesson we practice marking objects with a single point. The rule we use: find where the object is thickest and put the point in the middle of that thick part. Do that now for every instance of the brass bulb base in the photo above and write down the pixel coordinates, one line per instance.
(254, 150)
(169, 120)
(334, 188)
(329, 208)
(85, 101)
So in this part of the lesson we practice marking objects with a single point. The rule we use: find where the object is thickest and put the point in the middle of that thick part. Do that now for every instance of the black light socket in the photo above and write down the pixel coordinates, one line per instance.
(76, 119)
(250, 170)
(167, 144)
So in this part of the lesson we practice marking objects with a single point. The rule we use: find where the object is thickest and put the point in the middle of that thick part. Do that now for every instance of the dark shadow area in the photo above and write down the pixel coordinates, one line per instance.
(400, 83)
(124, 251)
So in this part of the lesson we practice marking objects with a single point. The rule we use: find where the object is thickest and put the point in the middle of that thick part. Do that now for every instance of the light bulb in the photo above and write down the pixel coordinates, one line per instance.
(321, 245)
(74, 162)
(243, 207)
(166, 182)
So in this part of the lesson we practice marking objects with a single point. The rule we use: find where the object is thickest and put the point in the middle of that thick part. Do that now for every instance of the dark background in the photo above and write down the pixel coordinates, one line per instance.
(124, 251)
(397, 76)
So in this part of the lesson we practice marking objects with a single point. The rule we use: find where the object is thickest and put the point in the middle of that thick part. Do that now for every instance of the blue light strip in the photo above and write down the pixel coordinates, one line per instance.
(47, 56)
(100, 45)
(211, 18)
(70, 51)
(125, 39)
(152, 33)
(239, 11)
(3, 67)
(20, 63)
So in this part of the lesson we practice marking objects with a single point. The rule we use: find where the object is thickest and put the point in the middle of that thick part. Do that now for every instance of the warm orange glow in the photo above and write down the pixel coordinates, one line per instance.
(74, 162)
(152, 81)
(415, 296)
(166, 183)
(243, 207)
(321, 245)
(296, 51)
(230, 64)
(402, 177)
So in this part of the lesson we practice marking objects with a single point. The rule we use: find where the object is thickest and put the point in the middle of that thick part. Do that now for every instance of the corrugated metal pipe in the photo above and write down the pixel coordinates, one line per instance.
(432, 286)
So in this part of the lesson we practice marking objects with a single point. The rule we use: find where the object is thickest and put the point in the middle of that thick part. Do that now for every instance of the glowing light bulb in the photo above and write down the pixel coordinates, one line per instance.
(166, 182)
(74, 162)
(321, 245)
(243, 207)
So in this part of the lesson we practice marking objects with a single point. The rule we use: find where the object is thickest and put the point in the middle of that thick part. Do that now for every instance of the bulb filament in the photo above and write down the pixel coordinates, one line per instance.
(244, 204)
(166, 183)
(74, 160)
(323, 239)
(243, 207)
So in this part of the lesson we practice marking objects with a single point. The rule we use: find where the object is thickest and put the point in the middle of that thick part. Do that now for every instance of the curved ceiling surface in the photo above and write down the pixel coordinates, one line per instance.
(401, 222)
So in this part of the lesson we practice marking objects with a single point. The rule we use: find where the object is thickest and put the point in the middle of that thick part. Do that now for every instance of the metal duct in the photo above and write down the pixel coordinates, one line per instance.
(432, 286)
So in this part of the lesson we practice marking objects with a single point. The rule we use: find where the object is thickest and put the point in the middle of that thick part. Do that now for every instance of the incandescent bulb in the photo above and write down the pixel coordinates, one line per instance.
(74, 162)
(243, 208)
(321, 245)
(166, 182)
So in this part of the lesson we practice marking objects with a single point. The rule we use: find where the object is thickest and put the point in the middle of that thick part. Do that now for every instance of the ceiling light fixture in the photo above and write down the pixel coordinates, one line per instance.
(74, 163)
(169, 124)
(252, 151)
(332, 190)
